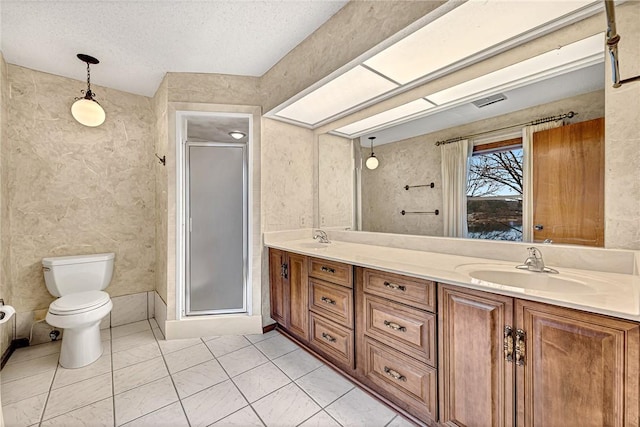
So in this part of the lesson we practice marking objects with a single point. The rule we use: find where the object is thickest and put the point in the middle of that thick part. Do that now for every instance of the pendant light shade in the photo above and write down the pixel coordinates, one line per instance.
(86, 110)
(372, 161)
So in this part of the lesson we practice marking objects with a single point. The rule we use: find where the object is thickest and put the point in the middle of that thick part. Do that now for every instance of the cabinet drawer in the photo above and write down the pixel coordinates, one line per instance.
(415, 292)
(332, 340)
(401, 379)
(335, 272)
(332, 301)
(404, 328)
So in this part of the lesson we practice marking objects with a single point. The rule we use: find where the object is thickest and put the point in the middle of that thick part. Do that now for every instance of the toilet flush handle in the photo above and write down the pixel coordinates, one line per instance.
(46, 269)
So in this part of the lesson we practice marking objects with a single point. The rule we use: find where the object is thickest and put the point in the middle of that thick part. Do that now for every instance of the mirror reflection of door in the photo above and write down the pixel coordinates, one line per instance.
(568, 184)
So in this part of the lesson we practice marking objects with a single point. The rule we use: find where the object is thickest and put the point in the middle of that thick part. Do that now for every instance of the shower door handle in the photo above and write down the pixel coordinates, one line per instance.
(190, 225)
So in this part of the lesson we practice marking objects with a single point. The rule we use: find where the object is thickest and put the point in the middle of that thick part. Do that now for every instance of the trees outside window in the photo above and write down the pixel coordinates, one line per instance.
(494, 193)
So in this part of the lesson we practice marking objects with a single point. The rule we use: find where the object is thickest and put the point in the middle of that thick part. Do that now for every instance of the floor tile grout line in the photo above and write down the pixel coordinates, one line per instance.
(46, 402)
(172, 381)
(113, 382)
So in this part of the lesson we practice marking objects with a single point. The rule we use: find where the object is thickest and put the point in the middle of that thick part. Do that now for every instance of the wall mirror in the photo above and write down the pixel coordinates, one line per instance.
(403, 194)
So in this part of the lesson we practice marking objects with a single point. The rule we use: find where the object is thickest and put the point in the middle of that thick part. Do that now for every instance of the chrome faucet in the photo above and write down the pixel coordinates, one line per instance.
(534, 262)
(320, 234)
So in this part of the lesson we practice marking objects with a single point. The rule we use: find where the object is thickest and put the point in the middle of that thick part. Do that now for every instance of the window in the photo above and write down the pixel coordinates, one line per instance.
(494, 191)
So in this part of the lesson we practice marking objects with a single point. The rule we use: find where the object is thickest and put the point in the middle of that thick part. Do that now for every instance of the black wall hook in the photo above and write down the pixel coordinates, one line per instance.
(162, 159)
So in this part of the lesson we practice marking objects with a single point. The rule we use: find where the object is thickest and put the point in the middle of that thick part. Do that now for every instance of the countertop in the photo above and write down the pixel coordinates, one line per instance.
(612, 294)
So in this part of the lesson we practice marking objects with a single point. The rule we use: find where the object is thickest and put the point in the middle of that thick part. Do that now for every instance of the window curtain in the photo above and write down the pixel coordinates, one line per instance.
(455, 166)
(527, 172)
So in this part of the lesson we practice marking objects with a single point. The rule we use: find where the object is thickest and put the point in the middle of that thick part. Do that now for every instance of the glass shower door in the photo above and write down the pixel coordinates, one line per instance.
(216, 208)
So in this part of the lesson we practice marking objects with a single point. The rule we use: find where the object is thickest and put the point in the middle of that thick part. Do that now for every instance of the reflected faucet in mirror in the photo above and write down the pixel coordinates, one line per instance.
(535, 263)
(321, 236)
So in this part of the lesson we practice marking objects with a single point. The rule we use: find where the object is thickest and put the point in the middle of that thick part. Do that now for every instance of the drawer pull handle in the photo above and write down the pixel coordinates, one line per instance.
(508, 343)
(395, 287)
(328, 300)
(328, 269)
(394, 374)
(520, 347)
(394, 326)
(328, 337)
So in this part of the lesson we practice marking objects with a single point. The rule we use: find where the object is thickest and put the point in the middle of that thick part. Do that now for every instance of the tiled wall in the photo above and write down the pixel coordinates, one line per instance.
(78, 190)
(416, 161)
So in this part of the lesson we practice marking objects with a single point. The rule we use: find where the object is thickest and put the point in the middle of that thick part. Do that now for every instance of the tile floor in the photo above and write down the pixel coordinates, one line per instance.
(143, 380)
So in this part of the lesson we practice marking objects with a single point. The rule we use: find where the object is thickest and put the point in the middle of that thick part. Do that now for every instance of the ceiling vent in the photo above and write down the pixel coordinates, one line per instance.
(489, 100)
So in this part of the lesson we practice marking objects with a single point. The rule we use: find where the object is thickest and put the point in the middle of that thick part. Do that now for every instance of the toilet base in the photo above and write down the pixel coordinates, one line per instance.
(81, 346)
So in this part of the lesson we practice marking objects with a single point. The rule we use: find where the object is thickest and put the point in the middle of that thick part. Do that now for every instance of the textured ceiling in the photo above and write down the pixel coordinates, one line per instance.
(137, 42)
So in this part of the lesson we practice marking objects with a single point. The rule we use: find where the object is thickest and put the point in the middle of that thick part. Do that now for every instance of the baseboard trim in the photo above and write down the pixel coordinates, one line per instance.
(269, 328)
(15, 344)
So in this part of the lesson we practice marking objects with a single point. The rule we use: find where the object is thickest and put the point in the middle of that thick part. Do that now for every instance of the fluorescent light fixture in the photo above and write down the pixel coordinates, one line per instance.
(236, 134)
(473, 27)
(352, 88)
(386, 117)
(558, 61)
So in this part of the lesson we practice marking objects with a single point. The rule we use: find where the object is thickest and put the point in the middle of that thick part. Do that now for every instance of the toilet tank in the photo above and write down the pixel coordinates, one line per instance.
(78, 273)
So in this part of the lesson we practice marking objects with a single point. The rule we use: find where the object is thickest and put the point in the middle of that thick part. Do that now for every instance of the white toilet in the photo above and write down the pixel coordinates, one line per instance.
(79, 281)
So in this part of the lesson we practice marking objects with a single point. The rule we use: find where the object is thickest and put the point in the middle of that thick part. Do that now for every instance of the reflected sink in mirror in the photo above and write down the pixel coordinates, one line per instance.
(519, 280)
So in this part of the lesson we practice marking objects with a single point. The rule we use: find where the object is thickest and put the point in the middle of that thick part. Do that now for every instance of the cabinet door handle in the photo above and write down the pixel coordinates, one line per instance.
(328, 337)
(328, 269)
(395, 287)
(508, 343)
(284, 270)
(521, 337)
(394, 326)
(328, 300)
(394, 374)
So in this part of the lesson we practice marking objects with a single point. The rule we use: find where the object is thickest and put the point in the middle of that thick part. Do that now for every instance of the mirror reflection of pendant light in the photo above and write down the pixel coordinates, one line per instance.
(86, 110)
(372, 162)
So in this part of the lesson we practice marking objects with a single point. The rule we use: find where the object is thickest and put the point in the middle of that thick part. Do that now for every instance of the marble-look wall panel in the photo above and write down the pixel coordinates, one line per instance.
(6, 329)
(352, 31)
(416, 161)
(161, 135)
(335, 181)
(213, 88)
(622, 138)
(78, 190)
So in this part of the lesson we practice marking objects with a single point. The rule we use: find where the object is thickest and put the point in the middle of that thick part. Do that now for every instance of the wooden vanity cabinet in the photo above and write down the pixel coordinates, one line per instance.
(288, 275)
(396, 340)
(504, 360)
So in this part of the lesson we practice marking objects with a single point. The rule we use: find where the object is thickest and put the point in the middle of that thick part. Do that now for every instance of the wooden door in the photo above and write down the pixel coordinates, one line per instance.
(278, 285)
(298, 316)
(476, 383)
(568, 184)
(580, 369)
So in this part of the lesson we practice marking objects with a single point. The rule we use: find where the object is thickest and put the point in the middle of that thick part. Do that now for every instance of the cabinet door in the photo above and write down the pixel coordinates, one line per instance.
(476, 383)
(278, 285)
(579, 369)
(298, 316)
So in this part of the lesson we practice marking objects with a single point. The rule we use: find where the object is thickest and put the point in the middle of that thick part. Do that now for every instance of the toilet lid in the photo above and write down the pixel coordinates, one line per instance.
(79, 301)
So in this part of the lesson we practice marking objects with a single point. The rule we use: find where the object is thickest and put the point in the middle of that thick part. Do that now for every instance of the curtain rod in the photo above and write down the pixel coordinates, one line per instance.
(568, 115)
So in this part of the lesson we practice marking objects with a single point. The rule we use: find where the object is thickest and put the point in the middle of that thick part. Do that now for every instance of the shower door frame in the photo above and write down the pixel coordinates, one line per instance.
(182, 223)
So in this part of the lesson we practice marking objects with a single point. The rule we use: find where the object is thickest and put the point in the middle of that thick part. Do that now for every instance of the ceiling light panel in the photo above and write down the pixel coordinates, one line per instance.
(352, 88)
(558, 61)
(473, 27)
(386, 117)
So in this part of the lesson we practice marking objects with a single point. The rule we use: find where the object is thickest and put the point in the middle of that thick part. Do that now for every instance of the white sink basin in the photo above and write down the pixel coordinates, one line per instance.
(510, 277)
(313, 245)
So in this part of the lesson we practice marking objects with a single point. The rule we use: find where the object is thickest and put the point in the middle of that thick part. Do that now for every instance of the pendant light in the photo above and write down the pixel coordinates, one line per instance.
(372, 161)
(86, 110)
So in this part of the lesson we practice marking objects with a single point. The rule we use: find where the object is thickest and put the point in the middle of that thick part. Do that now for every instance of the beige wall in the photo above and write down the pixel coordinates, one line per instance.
(78, 190)
(622, 138)
(6, 329)
(213, 88)
(161, 135)
(335, 181)
(416, 161)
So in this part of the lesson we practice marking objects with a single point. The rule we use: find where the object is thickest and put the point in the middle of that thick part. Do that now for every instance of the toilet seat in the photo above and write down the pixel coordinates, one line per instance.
(79, 302)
